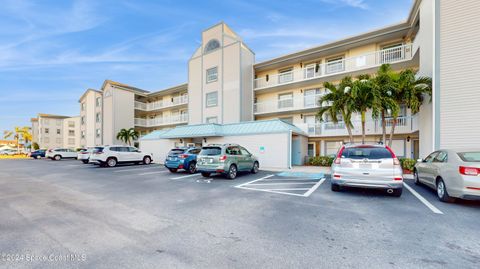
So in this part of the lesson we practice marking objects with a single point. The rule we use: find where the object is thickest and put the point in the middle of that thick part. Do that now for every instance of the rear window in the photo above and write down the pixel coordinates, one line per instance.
(470, 156)
(97, 149)
(176, 151)
(211, 151)
(366, 153)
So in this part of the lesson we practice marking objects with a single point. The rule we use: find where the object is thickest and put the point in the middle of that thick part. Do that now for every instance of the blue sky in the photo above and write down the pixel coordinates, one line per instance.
(52, 51)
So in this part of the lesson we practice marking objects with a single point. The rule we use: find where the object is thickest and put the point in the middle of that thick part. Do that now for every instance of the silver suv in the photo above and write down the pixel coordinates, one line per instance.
(367, 166)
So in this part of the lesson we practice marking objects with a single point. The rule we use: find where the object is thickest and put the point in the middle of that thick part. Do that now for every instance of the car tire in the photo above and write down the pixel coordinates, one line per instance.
(397, 192)
(204, 174)
(192, 168)
(85, 161)
(232, 172)
(255, 168)
(335, 187)
(111, 162)
(57, 157)
(415, 178)
(35, 157)
(442, 192)
(172, 170)
(147, 160)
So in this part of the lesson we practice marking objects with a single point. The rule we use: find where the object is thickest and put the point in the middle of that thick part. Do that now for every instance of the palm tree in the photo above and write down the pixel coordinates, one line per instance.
(126, 135)
(339, 102)
(17, 133)
(410, 91)
(384, 86)
(363, 98)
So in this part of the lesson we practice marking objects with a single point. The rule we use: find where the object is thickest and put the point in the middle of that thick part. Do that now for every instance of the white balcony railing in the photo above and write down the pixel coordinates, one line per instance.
(176, 119)
(178, 100)
(297, 103)
(364, 61)
(407, 124)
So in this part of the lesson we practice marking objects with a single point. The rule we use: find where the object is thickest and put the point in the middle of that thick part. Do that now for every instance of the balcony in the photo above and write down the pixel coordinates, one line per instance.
(342, 66)
(296, 103)
(407, 124)
(175, 101)
(155, 122)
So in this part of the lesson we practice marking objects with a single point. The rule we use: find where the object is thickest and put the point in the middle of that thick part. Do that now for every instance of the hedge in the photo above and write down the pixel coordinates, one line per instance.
(320, 161)
(407, 163)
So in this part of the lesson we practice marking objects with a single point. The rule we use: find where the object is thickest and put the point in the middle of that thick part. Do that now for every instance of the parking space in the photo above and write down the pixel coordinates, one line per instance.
(139, 209)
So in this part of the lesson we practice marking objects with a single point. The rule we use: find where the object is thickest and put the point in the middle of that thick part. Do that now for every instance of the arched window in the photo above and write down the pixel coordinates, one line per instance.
(212, 45)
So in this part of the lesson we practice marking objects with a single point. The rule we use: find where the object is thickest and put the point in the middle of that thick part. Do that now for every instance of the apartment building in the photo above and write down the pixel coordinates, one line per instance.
(227, 90)
(91, 108)
(55, 131)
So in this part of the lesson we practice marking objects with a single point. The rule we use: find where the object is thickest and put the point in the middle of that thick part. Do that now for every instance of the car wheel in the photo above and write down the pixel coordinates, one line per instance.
(232, 172)
(192, 168)
(415, 177)
(255, 168)
(112, 162)
(172, 170)
(147, 160)
(205, 174)
(35, 157)
(397, 192)
(442, 192)
(85, 161)
(335, 187)
(57, 157)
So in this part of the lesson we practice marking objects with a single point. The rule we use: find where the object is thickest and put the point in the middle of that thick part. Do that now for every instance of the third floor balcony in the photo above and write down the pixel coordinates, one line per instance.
(338, 67)
(306, 102)
(161, 104)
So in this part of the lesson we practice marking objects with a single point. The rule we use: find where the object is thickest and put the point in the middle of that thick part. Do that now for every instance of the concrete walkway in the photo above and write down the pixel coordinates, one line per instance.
(315, 169)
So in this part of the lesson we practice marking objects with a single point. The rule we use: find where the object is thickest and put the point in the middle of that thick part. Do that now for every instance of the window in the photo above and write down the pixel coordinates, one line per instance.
(212, 120)
(473, 156)
(97, 132)
(392, 53)
(311, 97)
(335, 65)
(430, 157)
(47, 130)
(311, 149)
(441, 157)
(233, 151)
(212, 74)
(97, 117)
(285, 76)
(285, 100)
(310, 70)
(82, 120)
(212, 99)
(212, 45)
(71, 132)
(245, 152)
(98, 101)
(373, 153)
(83, 106)
(211, 151)
(58, 131)
(71, 124)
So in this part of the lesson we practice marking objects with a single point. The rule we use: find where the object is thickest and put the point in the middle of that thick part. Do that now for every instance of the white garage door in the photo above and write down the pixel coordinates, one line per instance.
(332, 147)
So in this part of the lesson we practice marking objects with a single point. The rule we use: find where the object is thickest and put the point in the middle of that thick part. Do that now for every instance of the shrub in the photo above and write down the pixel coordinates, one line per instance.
(321, 161)
(407, 163)
(35, 146)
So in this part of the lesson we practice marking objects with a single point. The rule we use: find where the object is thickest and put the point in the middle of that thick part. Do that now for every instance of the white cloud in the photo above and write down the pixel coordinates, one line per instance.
(361, 4)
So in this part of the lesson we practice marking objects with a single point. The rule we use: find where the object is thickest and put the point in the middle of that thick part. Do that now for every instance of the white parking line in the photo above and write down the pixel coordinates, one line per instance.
(192, 175)
(314, 187)
(243, 184)
(423, 200)
(151, 173)
(289, 189)
(283, 183)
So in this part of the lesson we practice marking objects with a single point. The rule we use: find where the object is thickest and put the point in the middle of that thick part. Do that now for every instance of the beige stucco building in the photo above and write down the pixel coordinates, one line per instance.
(226, 86)
(56, 131)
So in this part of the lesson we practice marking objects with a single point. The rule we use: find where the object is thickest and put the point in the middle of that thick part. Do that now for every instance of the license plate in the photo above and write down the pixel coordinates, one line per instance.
(172, 158)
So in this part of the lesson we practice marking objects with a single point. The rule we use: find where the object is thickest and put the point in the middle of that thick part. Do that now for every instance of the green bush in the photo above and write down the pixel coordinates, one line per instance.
(35, 146)
(407, 163)
(321, 161)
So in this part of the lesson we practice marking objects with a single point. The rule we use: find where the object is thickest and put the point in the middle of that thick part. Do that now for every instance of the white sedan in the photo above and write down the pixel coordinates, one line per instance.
(61, 153)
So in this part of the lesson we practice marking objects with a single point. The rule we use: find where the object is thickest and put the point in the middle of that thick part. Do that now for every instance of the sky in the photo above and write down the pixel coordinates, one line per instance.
(52, 51)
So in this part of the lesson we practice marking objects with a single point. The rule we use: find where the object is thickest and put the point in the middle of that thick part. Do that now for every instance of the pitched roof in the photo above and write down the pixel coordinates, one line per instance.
(212, 129)
(125, 86)
(52, 116)
(88, 90)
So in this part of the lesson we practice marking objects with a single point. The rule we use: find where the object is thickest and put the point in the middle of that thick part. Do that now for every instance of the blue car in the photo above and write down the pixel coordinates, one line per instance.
(182, 158)
(40, 153)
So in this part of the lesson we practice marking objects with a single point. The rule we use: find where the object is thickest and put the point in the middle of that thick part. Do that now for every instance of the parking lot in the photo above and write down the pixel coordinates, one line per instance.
(146, 217)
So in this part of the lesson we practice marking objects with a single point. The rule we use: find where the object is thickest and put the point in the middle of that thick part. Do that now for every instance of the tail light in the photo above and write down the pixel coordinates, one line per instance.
(469, 171)
(397, 178)
(339, 155)
(223, 158)
(395, 159)
(183, 156)
(49, 150)
(337, 176)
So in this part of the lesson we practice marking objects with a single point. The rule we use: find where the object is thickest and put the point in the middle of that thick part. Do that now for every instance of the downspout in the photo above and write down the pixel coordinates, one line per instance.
(290, 149)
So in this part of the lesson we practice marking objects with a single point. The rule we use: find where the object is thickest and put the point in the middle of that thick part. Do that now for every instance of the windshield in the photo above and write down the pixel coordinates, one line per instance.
(211, 151)
(176, 151)
(366, 153)
(470, 156)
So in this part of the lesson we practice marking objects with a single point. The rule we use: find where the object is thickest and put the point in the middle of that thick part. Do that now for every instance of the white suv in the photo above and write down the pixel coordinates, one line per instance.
(112, 155)
(60, 153)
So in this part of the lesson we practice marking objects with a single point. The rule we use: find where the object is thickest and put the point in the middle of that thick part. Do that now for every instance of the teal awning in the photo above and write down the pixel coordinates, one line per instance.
(212, 129)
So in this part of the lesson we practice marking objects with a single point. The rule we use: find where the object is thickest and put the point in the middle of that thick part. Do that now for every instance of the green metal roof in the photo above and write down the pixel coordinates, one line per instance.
(211, 129)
